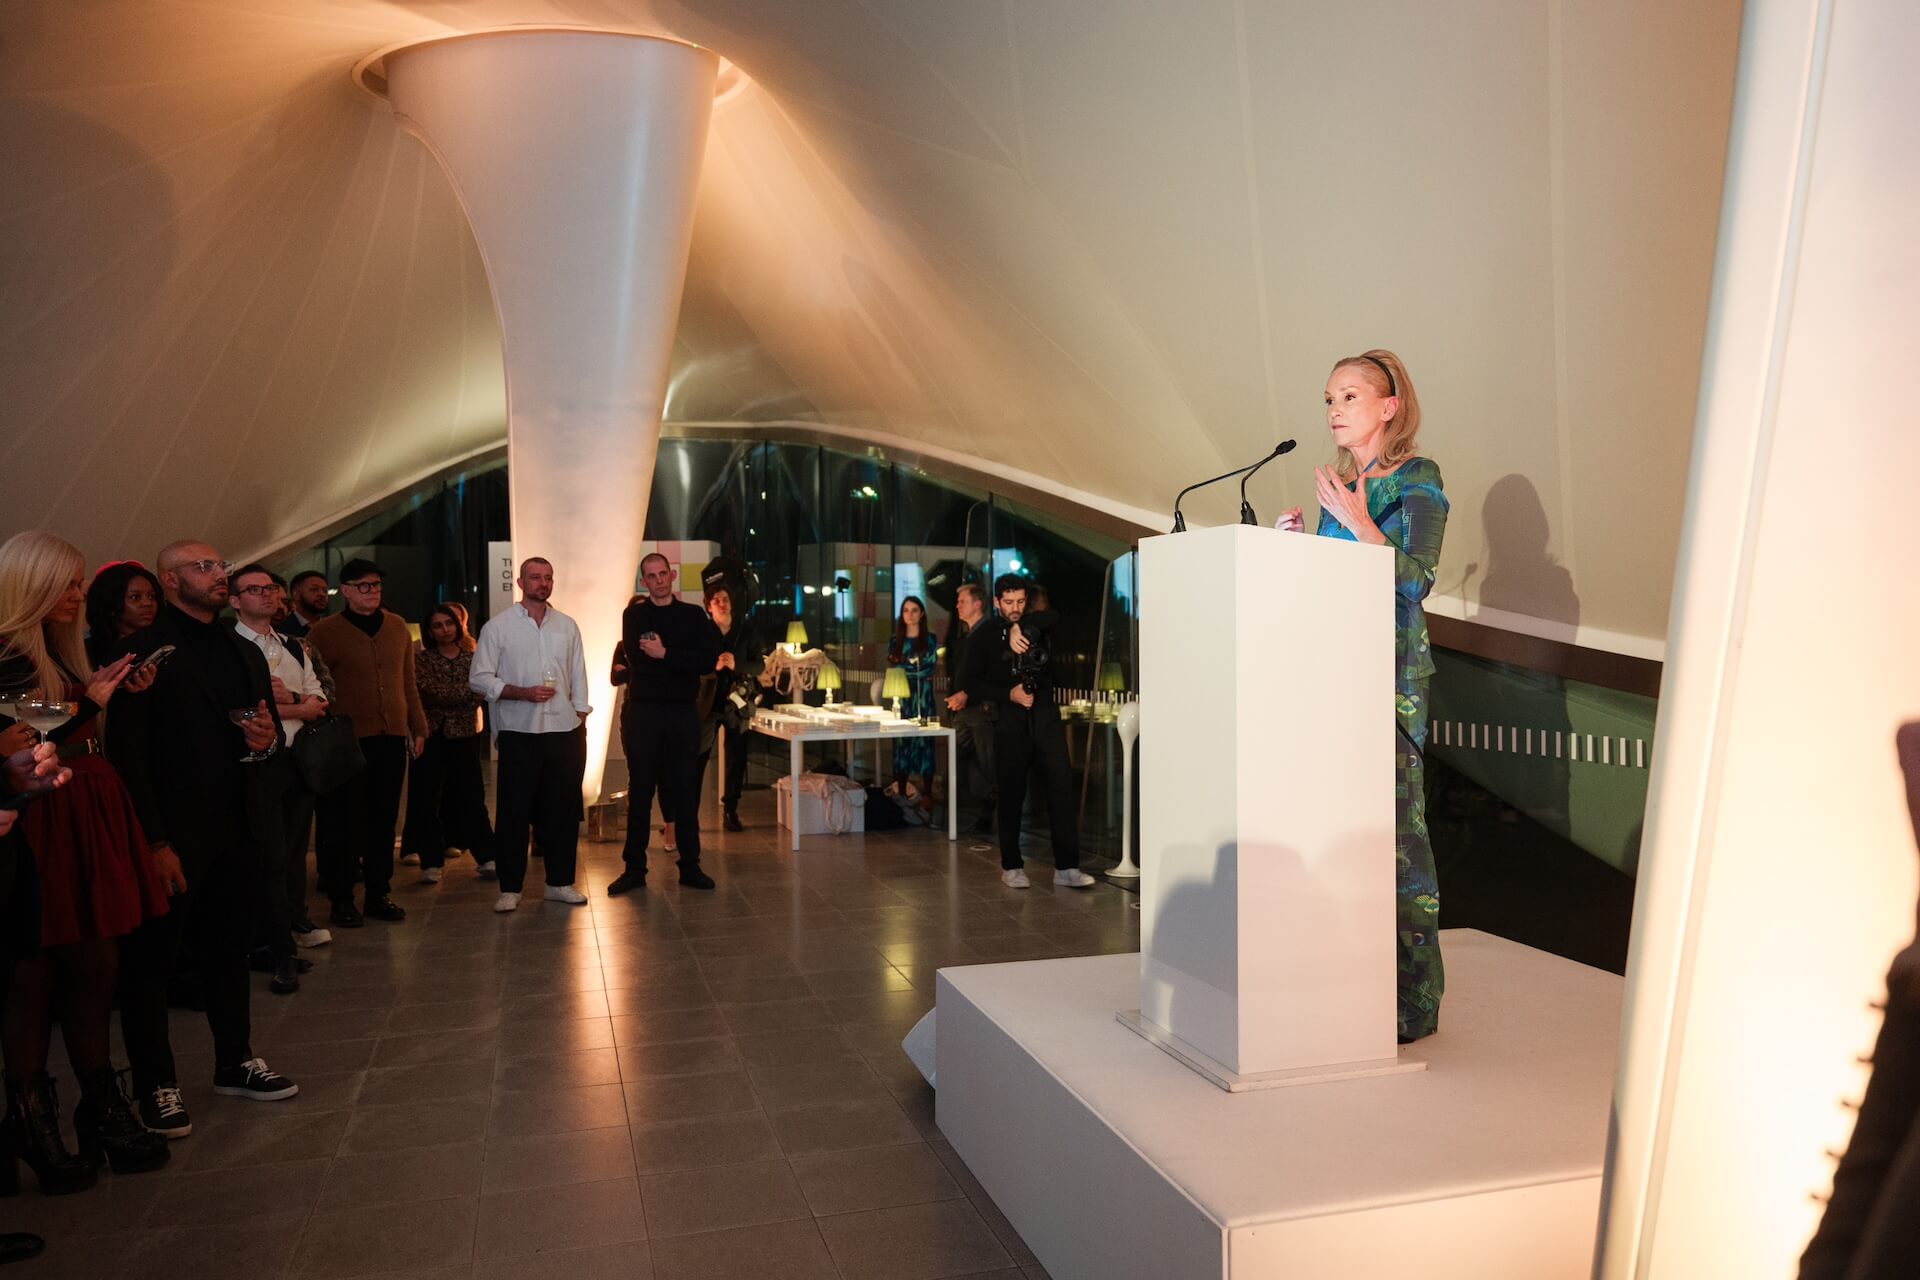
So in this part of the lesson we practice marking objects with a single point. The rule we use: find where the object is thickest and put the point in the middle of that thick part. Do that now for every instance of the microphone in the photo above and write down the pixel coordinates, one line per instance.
(1246, 508)
(1180, 521)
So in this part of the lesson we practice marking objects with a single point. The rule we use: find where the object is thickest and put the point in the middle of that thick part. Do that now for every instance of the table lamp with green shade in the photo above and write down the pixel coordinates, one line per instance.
(796, 635)
(828, 679)
(1112, 680)
(896, 687)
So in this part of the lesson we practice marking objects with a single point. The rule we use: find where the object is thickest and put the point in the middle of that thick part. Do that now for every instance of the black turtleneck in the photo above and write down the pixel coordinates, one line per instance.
(219, 665)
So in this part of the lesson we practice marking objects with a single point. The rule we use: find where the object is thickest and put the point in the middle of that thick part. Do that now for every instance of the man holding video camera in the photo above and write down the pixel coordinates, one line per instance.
(1008, 671)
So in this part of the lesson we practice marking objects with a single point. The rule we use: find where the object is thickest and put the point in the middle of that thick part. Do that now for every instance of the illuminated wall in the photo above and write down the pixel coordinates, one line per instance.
(1778, 875)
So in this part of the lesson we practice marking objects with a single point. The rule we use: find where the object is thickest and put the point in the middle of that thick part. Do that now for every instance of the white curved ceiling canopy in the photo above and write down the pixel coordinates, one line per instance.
(1103, 248)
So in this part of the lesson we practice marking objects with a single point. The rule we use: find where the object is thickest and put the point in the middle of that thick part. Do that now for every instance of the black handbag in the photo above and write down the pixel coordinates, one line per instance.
(327, 753)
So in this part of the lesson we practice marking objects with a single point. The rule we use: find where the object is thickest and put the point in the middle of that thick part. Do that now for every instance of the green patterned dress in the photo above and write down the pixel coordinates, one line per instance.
(1410, 507)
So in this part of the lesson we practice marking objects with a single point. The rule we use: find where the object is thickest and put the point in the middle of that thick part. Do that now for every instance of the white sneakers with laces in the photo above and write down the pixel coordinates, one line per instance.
(1073, 878)
(507, 902)
(1015, 879)
(565, 893)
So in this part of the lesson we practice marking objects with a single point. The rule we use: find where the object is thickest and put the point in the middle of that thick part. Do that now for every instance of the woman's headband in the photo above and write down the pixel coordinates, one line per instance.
(1393, 388)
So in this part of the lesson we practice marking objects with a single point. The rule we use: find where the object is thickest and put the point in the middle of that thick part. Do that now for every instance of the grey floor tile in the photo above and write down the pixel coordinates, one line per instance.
(556, 1110)
(400, 1177)
(434, 1047)
(425, 1236)
(659, 997)
(794, 1048)
(723, 1196)
(874, 1178)
(447, 1082)
(412, 1124)
(678, 1058)
(776, 1251)
(682, 1097)
(703, 1141)
(815, 1084)
(913, 1242)
(558, 1159)
(224, 1251)
(668, 1025)
(628, 1260)
(842, 1126)
(262, 1137)
(550, 1036)
(593, 1213)
(238, 1195)
(561, 1071)
(779, 1015)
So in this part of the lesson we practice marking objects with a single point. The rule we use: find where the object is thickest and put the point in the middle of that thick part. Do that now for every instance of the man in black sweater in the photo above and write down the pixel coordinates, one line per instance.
(178, 748)
(669, 646)
(1002, 669)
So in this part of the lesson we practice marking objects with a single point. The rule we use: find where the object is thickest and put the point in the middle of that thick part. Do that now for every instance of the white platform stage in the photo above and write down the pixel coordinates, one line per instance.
(1115, 1161)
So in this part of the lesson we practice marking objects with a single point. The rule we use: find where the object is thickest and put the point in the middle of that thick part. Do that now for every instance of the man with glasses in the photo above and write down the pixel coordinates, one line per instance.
(286, 804)
(370, 654)
(179, 747)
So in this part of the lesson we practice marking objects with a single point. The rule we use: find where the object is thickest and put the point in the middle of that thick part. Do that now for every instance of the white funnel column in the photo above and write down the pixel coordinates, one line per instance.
(576, 156)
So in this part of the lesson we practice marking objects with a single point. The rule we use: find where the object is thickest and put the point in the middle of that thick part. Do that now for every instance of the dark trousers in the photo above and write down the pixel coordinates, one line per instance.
(1870, 1230)
(663, 752)
(736, 775)
(447, 801)
(282, 812)
(212, 923)
(1022, 740)
(357, 820)
(973, 742)
(539, 792)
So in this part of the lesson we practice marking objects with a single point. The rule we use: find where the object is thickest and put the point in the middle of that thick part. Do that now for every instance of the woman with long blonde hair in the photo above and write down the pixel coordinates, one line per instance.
(1380, 491)
(98, 881)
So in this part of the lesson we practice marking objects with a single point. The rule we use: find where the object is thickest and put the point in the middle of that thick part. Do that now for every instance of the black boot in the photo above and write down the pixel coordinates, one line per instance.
(32, 1134)
(108, 1129)
(730, 819)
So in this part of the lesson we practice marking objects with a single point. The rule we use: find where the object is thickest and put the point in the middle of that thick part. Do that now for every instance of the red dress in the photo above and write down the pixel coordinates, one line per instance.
(97, 876)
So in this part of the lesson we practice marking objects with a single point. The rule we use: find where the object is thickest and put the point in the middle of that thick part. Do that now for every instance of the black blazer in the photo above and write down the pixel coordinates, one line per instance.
(178, 752)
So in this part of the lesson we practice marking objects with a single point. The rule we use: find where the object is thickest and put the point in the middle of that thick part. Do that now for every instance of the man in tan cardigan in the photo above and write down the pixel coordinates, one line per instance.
(370, 652)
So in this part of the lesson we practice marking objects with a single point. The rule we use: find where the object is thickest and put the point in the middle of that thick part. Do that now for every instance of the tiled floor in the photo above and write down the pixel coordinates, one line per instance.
(687, 1086)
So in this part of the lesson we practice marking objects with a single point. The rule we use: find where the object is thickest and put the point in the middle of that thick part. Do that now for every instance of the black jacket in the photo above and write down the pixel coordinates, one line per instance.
(986, 672)
(174, 745)
(692, 644)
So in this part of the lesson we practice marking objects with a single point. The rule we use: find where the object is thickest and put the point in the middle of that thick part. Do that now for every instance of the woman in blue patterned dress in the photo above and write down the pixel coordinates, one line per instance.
(1378, 491)
(913, 650)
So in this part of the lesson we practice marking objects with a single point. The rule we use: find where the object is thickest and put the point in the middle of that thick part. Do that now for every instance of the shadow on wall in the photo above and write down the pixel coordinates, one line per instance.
(1523, 578)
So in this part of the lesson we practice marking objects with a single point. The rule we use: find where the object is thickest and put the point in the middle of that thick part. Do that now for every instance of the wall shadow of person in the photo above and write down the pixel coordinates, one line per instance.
(1524, 578)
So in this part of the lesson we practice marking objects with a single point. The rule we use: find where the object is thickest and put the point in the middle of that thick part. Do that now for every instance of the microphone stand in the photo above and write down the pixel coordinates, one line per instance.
(1246, 508)
(1180, 521)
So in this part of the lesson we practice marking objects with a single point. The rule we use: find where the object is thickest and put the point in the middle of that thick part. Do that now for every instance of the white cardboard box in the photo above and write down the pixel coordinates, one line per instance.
(812, 818)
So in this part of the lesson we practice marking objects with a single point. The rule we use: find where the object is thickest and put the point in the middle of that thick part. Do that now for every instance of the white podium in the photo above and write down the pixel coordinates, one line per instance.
(1267, 806)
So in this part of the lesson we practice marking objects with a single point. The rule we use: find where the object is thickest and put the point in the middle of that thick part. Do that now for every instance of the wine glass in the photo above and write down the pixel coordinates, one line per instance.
(550, 677)
(240, 717)
(44, 714)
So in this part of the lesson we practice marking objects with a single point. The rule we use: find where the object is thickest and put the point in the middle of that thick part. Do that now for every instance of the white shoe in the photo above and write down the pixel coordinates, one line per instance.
(410, 860)
(565, 893)
(486, 870)
(507, 902)
(1015, 879)
(313, 938)
(431, 875)
(1073, 878)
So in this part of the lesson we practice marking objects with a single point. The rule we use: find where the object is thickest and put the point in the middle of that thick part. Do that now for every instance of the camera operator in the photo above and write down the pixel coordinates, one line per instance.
(1008, 669)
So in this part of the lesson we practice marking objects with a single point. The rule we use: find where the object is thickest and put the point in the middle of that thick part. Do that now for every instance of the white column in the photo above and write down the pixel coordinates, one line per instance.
(576, 156)
(1778, 873)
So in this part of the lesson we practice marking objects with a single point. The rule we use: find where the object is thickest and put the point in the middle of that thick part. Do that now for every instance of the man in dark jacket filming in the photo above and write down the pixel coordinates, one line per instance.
(1008, 668)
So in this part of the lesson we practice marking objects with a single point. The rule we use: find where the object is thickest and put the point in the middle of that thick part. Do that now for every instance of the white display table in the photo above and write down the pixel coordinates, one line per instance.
(822, 724)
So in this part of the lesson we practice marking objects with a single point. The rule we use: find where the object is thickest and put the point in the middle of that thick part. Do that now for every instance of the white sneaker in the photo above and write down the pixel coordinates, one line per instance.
(1015, 879)
(507, 902)
(1073, 878)
(431, 875)
(313, 938)
(410, 860)
(565, 893)
(486, 870)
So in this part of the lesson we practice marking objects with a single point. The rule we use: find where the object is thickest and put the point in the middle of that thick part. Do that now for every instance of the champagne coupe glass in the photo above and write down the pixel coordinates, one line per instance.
(44, 714)
(241, 716)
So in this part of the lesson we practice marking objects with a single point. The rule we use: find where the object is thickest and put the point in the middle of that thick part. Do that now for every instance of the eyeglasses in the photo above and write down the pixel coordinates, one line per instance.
(266, 590)
(208, 566)
(364, 588)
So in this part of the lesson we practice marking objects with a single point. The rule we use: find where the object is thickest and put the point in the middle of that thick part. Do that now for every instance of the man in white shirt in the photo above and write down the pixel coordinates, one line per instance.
(531, 668)
(286, 805)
